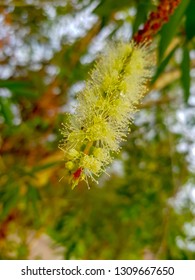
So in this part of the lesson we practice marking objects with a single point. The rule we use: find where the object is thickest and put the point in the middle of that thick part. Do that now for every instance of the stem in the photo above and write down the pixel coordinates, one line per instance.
(87, 148)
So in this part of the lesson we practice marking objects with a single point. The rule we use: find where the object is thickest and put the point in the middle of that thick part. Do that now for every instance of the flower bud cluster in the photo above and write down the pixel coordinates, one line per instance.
(156, 19)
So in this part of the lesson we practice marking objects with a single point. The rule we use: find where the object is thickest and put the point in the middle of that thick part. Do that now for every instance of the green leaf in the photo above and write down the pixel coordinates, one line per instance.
(25, 92)
(105, 8)
(185, 77)
(141, 15)
(163, 65)
(20, 88)
(190, 20)
(33, 194)
(170, 29)
(11, 84)
(32, 199)
(5, 109)
(9, 200)
(44, 166)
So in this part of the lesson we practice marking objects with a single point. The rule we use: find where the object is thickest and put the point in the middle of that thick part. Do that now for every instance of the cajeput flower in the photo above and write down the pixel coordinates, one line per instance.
(105, 108)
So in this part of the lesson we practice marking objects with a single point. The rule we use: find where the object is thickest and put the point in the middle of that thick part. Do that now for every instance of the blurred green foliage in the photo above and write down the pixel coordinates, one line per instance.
(145, 208)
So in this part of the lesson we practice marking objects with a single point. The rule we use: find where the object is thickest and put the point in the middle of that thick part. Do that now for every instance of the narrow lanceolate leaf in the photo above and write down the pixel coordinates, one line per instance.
(20, 88)
(169, 30)
(141, 15)
(163, 65)
(6, 111)
(104, 110)
(190, 20)
(185, 77)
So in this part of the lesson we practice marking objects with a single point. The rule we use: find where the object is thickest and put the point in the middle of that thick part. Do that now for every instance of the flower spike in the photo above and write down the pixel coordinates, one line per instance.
(105, 109)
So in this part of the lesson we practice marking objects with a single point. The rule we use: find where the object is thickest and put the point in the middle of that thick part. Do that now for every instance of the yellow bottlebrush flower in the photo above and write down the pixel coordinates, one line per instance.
(105, 108)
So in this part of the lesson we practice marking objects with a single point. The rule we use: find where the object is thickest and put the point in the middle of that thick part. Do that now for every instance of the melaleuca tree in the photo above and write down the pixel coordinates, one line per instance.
(144, 207)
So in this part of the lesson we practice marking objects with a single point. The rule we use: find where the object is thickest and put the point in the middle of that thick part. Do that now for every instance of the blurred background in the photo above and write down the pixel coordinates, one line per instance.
(145, 209)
